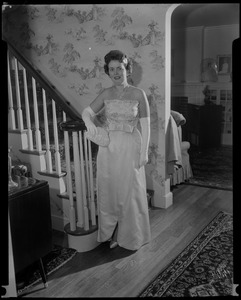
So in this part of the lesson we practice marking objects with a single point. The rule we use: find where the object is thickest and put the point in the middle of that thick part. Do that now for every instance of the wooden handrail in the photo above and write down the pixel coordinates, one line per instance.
(45, 83)
(73, 126)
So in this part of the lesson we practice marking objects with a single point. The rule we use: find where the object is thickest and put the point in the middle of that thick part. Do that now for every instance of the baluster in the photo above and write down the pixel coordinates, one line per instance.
(36, 118)
(29, 130)
(46, 131)
(19, 109)
(87, 168)
(56, 140)
(72, 215)
(10, 97)
(92, 203)
(77, 180)
(86, 211)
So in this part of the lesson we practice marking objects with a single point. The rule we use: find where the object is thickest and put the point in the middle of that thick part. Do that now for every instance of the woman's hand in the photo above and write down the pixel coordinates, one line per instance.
(91, 128)
(87, 116)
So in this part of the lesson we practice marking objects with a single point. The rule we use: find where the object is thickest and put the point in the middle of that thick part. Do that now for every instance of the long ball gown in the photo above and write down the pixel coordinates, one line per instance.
(121, 184)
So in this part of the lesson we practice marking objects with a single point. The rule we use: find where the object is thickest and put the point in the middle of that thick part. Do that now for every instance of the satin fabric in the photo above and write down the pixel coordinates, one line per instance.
(121, 184)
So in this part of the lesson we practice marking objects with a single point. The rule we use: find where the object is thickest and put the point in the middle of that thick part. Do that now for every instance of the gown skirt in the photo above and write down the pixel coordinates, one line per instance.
(121, 191)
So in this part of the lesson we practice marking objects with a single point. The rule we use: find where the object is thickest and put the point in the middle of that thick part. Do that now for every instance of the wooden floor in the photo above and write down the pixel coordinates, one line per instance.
(105, 272)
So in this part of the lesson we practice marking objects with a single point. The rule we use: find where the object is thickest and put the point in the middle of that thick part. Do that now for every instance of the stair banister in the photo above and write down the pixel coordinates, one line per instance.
(36, 117)
(73, 127)
(46, 131)
(56, 139)
(12, 122)
(92, 194)
(44, 82)
(30, 134)
(82, 226)
(83, 181)
(72, 214)
(19, 108)
(83, 237)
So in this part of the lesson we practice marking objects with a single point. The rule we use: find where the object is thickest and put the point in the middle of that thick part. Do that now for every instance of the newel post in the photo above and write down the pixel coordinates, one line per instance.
(82, 228)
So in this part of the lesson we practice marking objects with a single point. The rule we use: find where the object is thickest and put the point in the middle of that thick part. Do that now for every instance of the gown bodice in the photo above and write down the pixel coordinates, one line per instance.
(121, 114)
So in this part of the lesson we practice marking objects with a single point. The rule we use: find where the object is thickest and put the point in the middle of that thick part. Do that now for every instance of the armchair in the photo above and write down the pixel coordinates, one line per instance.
(185, 172)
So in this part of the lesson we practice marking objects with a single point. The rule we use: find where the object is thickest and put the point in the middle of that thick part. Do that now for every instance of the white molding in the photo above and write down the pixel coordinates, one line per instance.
(58, 222)
(204, 27)
(220, 26)
(198, 83)
(83, 243)
(194, 28)
(11, 290)
(162, 201)
(188, 28)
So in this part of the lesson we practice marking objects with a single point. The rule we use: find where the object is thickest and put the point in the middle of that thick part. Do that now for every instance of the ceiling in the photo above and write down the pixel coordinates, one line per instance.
(207, 14)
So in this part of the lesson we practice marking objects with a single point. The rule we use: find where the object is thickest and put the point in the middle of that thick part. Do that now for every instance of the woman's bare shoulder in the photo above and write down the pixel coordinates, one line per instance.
(105, 93)
(138, 93)
(109, 92)
(137, 90)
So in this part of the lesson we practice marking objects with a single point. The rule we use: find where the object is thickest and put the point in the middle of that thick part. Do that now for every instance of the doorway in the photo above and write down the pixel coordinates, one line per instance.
(195, 30)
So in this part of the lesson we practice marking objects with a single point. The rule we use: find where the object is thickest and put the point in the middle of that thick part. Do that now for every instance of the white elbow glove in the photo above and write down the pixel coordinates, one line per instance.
(87, 116)
(145, 132)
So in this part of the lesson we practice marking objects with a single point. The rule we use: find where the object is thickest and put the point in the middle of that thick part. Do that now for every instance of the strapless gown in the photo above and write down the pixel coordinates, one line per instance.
(121, 184)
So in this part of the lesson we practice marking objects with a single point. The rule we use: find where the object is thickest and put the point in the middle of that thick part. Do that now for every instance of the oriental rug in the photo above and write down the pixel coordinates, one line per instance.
(203, 268)
(212, 167)
(54, 260)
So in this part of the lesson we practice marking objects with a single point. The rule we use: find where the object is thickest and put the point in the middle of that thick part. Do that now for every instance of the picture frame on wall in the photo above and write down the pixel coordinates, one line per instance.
(224, 63)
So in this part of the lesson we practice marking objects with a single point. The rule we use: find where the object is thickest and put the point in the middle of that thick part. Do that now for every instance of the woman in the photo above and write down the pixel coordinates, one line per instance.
(121, 184)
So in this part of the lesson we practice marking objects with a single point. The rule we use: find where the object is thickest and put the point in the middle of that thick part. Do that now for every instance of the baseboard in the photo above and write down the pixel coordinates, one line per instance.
(162, 201)
(58, 223)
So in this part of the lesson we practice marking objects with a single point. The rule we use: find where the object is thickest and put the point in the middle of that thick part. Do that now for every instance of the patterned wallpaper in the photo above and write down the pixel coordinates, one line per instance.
(68, 44)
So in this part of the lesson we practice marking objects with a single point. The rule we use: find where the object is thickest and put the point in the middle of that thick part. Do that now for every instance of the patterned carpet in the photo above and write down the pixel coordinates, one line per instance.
(204, 268)
(212, 167)
(51, 262)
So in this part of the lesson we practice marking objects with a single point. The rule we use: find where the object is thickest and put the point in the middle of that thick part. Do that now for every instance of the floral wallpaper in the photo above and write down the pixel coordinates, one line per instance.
(68, 43)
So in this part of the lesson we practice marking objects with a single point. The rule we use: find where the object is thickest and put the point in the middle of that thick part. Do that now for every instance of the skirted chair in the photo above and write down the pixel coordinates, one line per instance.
(182, 170)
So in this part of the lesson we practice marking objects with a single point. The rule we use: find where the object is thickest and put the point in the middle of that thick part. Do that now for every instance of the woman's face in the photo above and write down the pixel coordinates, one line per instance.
(117, 72)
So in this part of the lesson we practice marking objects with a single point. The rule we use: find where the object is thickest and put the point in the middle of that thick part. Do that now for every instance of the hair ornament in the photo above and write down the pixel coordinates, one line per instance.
(125, 61)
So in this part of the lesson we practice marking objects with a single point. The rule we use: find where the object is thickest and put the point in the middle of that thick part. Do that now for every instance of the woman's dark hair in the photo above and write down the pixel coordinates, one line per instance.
(120, 56)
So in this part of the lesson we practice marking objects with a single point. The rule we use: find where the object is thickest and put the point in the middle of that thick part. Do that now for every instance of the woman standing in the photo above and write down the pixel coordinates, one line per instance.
(121, 184)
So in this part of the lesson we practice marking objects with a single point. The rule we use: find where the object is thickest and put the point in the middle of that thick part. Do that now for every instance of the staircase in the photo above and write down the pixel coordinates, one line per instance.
(46, 133)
